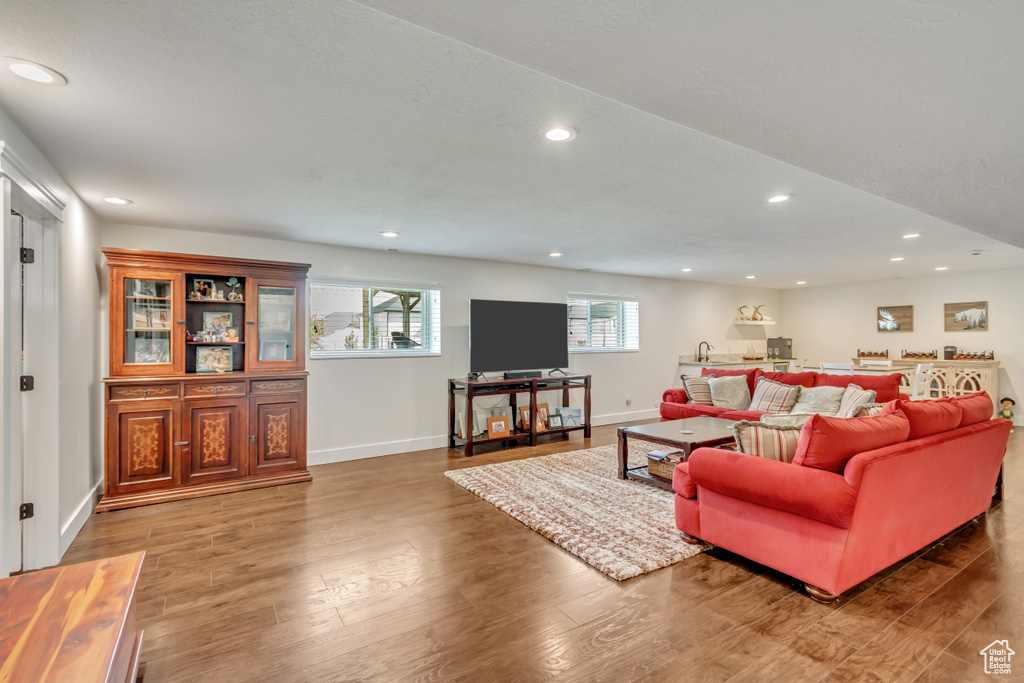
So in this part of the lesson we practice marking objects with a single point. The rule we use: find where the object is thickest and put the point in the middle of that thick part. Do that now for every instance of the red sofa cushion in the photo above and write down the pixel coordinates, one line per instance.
(751, 375)
(828, 443)
(802, 491)
(675, 396)
(796, 379)
(886, 387)
(930, 417)
(975, 408)
(681, 482)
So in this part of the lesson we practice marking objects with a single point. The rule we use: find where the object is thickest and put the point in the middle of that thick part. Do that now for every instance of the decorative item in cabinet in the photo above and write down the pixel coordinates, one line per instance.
(920, 355)
(193, 408)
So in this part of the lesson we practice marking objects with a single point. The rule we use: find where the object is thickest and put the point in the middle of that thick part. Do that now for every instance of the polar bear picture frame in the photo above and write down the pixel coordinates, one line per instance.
(969, 316)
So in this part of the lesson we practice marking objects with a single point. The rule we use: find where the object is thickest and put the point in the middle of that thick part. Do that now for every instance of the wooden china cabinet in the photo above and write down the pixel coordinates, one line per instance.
(207, 386)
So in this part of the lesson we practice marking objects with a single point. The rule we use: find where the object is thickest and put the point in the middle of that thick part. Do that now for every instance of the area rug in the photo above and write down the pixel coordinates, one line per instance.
(621, 528)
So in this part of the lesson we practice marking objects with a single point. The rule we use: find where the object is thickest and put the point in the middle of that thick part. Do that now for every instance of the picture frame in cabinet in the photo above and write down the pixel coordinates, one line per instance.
(216, 325)
(276, 318)
(214, 359)
(203, 288)
(274, 349)
(554, 422)
(143, 288)
(148, 317)
(154, 350)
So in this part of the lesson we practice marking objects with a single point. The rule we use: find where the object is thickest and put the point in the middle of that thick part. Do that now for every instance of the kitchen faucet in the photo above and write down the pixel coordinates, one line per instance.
(706, 358)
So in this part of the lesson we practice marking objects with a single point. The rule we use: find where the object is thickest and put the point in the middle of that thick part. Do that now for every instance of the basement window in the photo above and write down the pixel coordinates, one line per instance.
(602, 323)
(350, 319)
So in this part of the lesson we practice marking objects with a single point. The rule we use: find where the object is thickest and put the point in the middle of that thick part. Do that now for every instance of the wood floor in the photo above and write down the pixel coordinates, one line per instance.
(384, 570)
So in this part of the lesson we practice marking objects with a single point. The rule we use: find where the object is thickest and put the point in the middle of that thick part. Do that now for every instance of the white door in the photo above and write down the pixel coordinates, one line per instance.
(12, 418)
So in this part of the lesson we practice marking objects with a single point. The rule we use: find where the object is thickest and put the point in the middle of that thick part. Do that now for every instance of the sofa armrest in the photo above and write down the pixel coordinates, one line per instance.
(675, 396)
(817, 494)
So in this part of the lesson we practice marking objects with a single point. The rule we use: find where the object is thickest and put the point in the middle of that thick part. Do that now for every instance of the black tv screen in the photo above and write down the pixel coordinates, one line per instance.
(517, 335)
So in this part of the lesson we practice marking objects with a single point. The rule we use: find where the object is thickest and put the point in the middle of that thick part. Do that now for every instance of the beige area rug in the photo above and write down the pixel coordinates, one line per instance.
(621, 528)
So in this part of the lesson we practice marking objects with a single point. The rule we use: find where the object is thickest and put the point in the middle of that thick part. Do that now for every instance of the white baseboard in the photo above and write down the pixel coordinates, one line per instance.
(376, 450)
(70, 529)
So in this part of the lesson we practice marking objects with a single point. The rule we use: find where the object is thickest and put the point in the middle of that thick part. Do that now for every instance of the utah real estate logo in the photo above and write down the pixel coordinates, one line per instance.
(997, 657)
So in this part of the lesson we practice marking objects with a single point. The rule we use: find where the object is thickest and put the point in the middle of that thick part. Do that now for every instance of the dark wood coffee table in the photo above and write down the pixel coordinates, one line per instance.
(706, 431)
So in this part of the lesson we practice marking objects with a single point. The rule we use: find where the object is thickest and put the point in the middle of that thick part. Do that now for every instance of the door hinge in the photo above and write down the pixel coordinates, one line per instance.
(28, 255)
(26, 510)
(28, 382)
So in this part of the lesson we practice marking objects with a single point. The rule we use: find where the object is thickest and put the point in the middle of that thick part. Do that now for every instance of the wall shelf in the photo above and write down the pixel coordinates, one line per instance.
(753, 322)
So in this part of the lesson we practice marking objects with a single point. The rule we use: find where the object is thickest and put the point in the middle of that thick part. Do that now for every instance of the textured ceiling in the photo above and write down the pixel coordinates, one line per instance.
(330, 121)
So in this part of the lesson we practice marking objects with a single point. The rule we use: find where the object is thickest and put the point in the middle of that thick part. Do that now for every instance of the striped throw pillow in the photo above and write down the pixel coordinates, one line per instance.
(698, 391)
(869, 409)
(774, 397)
(767, 441)
(853, 398)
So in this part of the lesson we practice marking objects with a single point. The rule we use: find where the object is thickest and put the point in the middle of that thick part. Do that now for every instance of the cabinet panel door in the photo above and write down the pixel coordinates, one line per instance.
(277, 316)
(143, 450)
(278, 424)
(147, 322)
(215, 430)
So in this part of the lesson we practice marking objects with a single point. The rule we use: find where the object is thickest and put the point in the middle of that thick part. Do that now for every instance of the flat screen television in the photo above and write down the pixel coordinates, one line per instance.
(517, 335)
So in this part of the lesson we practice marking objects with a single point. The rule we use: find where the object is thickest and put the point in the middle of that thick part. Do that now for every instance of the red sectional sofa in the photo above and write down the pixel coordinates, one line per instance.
(860, 494)
(675, 405)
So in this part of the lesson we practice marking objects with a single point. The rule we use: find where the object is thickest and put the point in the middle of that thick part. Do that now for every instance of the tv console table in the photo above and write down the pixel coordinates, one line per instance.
(471, 389)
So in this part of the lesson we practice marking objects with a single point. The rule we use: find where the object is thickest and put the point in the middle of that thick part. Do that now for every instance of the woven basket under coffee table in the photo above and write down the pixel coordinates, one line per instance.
(681, 436)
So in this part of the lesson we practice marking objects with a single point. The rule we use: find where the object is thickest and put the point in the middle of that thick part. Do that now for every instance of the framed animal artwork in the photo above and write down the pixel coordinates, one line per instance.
(895, 318)
(970, 316)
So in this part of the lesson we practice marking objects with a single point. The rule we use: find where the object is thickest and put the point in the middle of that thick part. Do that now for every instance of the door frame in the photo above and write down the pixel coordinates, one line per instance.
(30, 421)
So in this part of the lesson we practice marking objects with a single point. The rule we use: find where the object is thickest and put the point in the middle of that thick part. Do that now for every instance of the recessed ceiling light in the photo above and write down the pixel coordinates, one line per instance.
(779, 198)
(560, 134)
(942, 268)
(802, 282)
(120, 201)
(896, 258)
(687, 270)
(911, 235)
(34, 72)
(751, 277)
(388, 233)
(555, 253)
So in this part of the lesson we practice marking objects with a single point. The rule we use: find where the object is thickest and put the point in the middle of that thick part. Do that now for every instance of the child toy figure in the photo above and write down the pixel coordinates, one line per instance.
(1007, 411)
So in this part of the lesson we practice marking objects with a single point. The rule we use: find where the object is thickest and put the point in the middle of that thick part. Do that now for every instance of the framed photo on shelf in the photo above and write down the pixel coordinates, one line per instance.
(524, 417)
(203, 289)
(214, 359)
(152, 350)
(542, 414)
(276, 318)
(216, 325)
(147, 317)
(498, 427)
(144, 288)
(571, 417)
(555, 422)
(274, 349)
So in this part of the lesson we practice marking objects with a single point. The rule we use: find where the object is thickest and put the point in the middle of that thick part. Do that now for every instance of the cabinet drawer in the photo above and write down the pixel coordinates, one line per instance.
(278, 386)
(138, 392)
(208, 389)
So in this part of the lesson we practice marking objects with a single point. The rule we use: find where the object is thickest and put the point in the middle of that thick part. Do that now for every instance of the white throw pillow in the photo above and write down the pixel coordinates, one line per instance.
(820, 400)
(730, 392)
(853, 398)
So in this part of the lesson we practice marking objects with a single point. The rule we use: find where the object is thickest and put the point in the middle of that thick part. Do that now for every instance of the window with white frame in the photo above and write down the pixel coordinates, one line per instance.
(598, 323)
(348, 319)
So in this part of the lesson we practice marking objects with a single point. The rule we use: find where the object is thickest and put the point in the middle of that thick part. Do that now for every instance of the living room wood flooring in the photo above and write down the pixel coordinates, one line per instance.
(384, 570)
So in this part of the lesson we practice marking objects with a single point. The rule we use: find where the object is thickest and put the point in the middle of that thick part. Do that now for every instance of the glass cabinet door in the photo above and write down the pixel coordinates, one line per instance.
(150, 304)
(279, 326)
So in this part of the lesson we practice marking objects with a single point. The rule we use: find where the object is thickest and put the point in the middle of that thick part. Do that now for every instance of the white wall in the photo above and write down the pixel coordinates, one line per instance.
(360, 407)
(80, 456)
(830, 323)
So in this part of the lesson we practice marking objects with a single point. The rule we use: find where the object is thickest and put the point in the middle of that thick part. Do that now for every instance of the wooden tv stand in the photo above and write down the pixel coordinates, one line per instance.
(471, 389)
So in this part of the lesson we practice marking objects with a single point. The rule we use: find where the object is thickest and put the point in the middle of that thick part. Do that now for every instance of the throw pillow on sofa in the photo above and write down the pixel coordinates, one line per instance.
(767, 441)
(853, 398)
(730, 392)
(773, 397)
(788, 420)
(870, 409)
(697, 390)
(828, 443)
(820, 400)
(975, 408)
(930, 417)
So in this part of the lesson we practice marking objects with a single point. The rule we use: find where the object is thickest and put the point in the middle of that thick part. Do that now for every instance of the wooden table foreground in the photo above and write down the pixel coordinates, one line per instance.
(74, 623)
